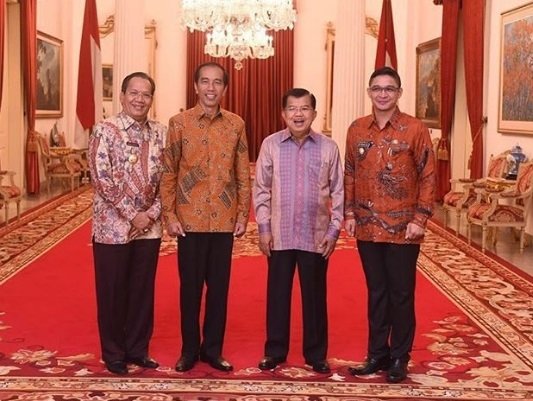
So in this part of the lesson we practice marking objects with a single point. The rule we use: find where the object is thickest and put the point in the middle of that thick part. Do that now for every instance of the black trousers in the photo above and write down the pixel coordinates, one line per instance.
(204, 259)
(390, 272)
(125, 281)
(312, 269)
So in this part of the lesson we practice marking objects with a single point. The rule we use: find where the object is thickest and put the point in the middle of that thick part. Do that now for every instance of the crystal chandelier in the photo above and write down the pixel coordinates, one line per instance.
(238, 28)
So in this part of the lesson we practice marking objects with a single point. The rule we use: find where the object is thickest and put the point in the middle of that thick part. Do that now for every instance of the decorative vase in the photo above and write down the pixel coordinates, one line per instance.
(515, 158)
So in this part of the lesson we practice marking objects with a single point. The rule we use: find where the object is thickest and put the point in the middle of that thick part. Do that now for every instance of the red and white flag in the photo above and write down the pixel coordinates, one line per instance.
(386, 52)
(89, 101)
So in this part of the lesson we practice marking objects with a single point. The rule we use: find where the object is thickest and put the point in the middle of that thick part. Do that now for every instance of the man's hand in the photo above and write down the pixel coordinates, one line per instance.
(414, 232)
(240, 229)
(349, 226)
(142, 222)
(175, 229)
(265, 243)
(327, 246)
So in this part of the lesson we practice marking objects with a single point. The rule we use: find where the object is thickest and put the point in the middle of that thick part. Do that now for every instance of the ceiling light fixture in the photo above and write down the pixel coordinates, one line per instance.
(238, 28)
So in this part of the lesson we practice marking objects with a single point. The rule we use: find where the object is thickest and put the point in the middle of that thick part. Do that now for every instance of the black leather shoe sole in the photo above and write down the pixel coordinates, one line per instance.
(270, 362)
(117, 367)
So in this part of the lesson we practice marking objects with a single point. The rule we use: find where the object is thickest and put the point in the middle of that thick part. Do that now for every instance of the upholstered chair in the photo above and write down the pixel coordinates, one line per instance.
(79, 155)
(462, 193)
(502, 205)
(9, 193)
(59, 164)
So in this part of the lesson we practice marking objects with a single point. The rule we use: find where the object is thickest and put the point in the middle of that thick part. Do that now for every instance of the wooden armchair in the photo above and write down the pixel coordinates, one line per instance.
(462, 193)
(500, 204)
(9, 193)
(59, 163)
(79, 155)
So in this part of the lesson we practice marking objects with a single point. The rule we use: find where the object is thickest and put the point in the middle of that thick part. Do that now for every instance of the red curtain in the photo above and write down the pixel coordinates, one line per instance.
(28, 23)
(473, 17)
(450, 19)
(2, 29)
(255, 91)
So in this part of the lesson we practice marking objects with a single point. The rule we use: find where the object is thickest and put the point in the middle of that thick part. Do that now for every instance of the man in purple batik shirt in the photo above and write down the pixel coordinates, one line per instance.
(299, 198)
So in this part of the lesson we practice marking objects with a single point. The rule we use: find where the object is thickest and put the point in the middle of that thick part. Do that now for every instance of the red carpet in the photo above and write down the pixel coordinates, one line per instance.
(474, 332)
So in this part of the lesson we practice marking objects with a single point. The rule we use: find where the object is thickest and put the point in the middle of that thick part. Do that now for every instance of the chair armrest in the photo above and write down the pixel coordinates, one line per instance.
(510, 194)
(479, 184)
(71, 163)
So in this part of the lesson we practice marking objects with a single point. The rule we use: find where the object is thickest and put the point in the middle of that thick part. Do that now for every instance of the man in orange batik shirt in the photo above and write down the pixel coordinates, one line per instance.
(389, 184)
(205, 194)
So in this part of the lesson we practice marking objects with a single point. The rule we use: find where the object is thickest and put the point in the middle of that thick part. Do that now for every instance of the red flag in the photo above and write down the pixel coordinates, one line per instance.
(89, 101)
(386, 52)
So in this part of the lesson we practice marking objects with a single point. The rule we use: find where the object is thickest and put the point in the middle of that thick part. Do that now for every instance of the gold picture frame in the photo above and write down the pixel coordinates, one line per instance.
(330, 53)
(49, 57)
(428, 85)
(107, 81)
(515, 111)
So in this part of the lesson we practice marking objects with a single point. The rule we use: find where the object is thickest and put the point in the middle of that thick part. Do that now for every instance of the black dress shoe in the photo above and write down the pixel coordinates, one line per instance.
(270, 362)
(372, 365)
(117, 367)
(144, 362)
(397, 371)
(218, 363)
(321, 367)
(185, 363)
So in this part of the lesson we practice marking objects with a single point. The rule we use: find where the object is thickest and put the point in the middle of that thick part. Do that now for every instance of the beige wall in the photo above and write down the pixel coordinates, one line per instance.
(415, 21)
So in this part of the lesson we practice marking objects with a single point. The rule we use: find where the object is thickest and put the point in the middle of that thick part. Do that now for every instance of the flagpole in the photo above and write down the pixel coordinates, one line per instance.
(386, 50)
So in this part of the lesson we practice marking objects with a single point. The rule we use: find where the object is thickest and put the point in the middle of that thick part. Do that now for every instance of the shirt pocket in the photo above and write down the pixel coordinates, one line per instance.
(398, 149)
(319, 172)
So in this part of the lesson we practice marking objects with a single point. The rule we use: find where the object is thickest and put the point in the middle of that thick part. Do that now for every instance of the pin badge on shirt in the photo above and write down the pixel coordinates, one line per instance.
(363, 147)
(132, 158)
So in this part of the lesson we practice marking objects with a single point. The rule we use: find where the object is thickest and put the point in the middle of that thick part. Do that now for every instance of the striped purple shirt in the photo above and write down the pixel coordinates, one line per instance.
(298, 190)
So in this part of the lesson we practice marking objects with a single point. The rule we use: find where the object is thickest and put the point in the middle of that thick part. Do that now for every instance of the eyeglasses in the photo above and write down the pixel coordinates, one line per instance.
(302, 109)
(389, 90)
(143, 95)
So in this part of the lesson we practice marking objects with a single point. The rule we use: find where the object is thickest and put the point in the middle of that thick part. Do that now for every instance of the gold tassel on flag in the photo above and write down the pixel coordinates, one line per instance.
(442, 151)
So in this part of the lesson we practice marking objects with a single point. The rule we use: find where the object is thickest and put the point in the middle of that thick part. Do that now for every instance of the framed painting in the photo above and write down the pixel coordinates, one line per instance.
(428, 82)
(107, 80)
(516, 71)
(330, 52)
(49, 102)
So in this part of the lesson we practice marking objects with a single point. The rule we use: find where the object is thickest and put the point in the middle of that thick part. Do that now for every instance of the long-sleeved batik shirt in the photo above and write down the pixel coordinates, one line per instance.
(389, 177)
(298, 190)
(126, 163)
(206, 182)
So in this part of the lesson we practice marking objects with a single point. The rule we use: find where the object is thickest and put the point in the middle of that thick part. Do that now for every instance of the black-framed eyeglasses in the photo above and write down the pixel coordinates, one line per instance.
(389, 90)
